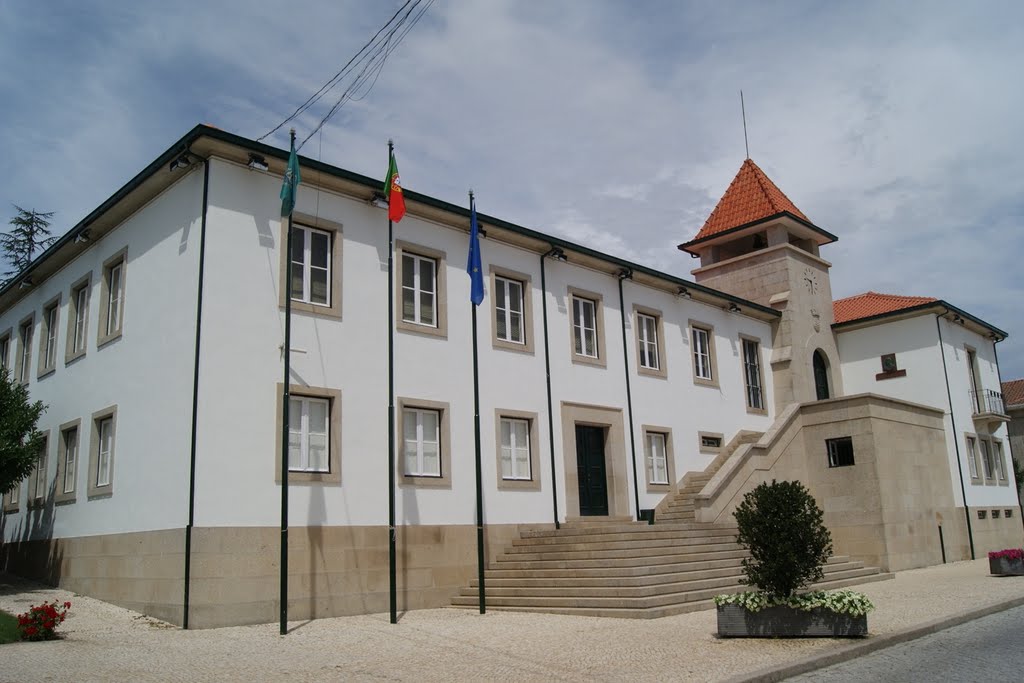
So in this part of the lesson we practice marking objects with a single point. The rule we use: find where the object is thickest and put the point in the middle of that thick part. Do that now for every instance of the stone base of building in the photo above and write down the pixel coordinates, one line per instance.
(235, 580)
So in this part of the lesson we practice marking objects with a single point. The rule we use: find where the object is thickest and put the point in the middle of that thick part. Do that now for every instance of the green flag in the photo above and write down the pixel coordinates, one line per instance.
(292, 178)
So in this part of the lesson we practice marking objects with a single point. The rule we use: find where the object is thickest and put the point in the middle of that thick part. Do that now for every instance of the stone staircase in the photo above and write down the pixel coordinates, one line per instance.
(631, 569)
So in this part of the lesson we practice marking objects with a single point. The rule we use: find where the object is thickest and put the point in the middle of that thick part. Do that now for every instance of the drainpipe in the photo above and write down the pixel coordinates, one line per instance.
(559, 255)
(195, 399)
(627, 274)
(956, 437)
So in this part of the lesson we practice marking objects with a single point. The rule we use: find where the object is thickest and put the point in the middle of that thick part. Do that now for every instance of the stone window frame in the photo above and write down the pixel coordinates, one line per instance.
(12, 499)
(440, 258)
(83, 283)
(533, 483)
(305, 220)
(6, 344)
(120, 257)
(691, 325)
(333, 397)
(525, 282)
(444, 443)
(36, 501)
(828, 452)
(93, 490)
(710, 450)
(987, 442)
(998, 457)
(763, 410)
(659, 329)
(602, 352)
(61, 495)
(51, 309)
(974, 469)
(670, 469)
(23, 374)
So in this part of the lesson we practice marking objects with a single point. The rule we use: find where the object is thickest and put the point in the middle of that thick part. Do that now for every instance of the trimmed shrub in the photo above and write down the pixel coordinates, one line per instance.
(780, 524)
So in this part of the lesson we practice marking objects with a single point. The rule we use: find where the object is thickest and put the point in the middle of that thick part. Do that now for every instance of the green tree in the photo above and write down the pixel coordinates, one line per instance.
(781, 525)
(20, 441)
(29, 233)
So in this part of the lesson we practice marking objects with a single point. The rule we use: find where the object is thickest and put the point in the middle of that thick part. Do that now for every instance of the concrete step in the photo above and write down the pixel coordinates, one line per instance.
(670, 541)
(619, 553)
(629, 572)
(645, 533)
(521, 580)
(612, 528)
(653, 560)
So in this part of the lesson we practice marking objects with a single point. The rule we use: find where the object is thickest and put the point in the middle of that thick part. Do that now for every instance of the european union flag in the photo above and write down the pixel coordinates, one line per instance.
(476, 276)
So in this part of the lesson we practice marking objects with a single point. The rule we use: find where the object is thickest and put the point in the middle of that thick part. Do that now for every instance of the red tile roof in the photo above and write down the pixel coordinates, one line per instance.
(1013, 392)
(870, 304)
(751, 196)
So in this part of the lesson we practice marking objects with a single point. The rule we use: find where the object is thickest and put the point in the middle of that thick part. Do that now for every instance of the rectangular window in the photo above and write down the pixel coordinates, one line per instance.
(702, 366)
(112, 286)
(39, 476)
(752, 373)
(986, 459)
(11, 499)
(710, 441)
(584, 327)
(996, 513)
(69, 459)
(308, 434)
(419, 290)
(840, 451)
(647, 335)
(5, 351)
(972, 456)
(48, 348)
(657, 460)
(508, 305)
(311, 265)
(515, 449)
(997, 460)
(24, 360)
(421, 430)
(78, 320)
(105, 428)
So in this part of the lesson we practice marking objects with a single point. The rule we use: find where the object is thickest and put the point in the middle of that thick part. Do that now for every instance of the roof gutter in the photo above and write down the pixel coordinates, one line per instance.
(996, 333)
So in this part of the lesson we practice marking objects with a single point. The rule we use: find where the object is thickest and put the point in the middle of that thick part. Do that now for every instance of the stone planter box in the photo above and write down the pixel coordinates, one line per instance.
(1003, 566)
(785, 622)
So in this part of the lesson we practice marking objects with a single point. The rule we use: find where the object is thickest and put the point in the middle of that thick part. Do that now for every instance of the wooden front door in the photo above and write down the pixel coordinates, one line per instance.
(590, 469)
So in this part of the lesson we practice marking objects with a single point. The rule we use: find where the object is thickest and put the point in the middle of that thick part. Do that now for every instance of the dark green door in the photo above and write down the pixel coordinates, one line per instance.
(591, 471)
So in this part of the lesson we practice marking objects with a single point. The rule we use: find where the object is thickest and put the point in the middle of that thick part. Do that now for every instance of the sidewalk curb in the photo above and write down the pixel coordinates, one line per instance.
(859, 649)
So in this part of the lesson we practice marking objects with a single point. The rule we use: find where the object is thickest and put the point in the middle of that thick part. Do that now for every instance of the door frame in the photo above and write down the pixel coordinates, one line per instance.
(616, 460)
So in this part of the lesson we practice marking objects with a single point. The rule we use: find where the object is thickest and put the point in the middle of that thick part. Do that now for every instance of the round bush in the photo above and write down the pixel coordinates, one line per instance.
(780, 524)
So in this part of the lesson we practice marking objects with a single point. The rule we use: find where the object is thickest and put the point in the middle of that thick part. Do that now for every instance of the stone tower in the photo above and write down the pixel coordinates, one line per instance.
(757, 245)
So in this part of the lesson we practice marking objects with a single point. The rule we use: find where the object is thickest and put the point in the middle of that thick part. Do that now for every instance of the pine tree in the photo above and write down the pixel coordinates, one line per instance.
(29, 234)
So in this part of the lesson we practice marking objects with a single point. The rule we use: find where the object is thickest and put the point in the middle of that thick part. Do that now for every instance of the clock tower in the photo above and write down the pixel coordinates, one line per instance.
(757, 245)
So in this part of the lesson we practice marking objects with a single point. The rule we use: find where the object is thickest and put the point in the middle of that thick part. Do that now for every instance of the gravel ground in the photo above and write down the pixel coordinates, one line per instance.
(106, 643)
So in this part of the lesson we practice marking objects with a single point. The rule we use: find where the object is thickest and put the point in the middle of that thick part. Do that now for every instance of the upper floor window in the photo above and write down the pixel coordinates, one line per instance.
(100, 478)
(309, 434)
(587, 327)
(78, 320)
(508, 309)
(972, 457)
(657, 460)
(422, 433)
(647, 334)
(421, 290)
(702, 345)
(515, 449)
(311, 265)
(5, 350)
(24, 360)
(840, 451)
(752, 374)
(112, 300)
(48, 347)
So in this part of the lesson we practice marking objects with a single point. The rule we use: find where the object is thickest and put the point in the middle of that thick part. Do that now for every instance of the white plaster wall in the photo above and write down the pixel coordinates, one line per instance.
(147, 373)
(915, 341)
(243, 332)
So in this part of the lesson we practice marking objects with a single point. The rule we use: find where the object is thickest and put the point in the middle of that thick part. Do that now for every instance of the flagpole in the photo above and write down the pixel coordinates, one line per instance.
(476, 427)
(286, 404)
(392, 559)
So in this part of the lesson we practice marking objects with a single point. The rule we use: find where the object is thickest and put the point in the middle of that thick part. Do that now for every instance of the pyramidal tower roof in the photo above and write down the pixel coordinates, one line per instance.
(751, 197)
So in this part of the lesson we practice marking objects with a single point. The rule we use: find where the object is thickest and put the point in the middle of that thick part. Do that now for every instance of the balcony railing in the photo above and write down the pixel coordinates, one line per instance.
(987, 401)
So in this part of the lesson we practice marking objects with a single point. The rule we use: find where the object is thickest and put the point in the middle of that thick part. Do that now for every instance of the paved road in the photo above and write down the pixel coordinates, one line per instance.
(988, 649)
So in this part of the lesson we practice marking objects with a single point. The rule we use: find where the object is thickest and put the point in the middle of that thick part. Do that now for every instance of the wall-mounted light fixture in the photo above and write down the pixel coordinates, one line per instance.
(378, 200)
(958, 319)
(557, 254)
(625, 274)
(83, 237)
(685, 293)
(257, 162)
(26, 283)
(183, 161)
(733, 308)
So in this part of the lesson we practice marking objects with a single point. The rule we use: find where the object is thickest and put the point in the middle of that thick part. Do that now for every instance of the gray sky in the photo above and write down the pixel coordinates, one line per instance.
(894, 125)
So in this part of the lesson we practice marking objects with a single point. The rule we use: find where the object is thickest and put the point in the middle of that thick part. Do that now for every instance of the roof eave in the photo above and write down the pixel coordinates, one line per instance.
(919, 309)
(825, 235)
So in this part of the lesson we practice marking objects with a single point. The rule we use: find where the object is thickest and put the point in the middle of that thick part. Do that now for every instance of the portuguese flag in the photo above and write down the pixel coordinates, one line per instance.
(393, 192)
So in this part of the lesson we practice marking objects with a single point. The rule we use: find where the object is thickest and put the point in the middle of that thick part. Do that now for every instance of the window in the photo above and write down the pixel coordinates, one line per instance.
(986, 459)
(11, 499)
(972, 457)
(67, 461)
(710, 442)
(78, 320)
(752, 374)
(516, 438)
(421, 290)
(112, 292)
(425, 458)
(840, 452)
(314, 434)
(702, 345)
(23, 361)
(37, 481)
(996, 513)
(48, 344)
(982, 514)
(650, 342)
(657, 462)
(511, 314)
(515, 449)
(5, 350)
(975, 382)
(997, 461)
(314, 265)
(102, 451)
(587, 327)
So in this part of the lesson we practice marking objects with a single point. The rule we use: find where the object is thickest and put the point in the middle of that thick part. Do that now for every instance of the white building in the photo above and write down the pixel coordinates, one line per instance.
(153, 331)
